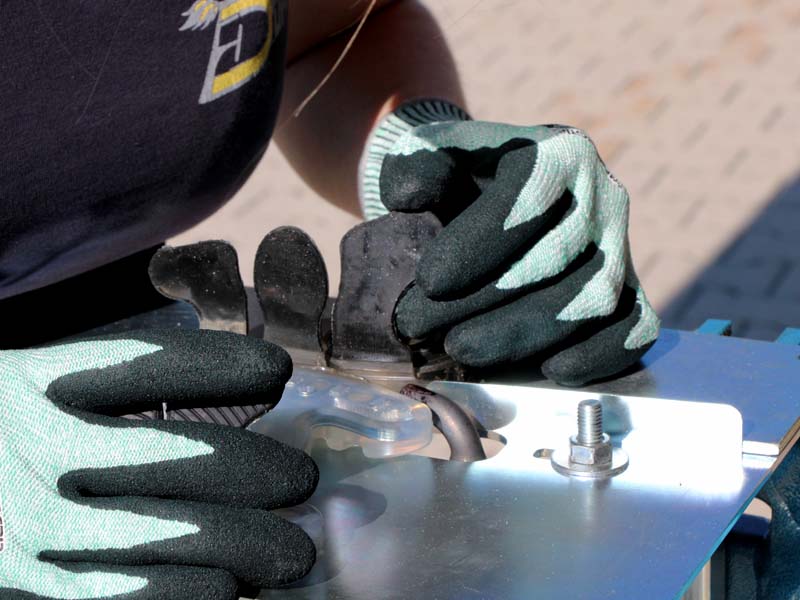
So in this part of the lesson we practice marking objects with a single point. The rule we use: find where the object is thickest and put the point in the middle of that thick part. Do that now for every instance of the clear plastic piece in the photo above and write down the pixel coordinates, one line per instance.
(346, 412)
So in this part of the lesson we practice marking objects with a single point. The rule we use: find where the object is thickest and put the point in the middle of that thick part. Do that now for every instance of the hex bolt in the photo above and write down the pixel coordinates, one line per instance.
(590, 453)
(590, 422)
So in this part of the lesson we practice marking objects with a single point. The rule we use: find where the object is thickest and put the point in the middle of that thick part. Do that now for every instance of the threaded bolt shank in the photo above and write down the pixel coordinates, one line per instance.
(590, 422)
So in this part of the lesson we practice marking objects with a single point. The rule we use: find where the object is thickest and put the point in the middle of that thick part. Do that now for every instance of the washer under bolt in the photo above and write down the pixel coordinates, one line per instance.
(590, 453)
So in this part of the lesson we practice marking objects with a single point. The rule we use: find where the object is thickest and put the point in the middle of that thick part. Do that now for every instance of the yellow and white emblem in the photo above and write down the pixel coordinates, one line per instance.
(228, 14)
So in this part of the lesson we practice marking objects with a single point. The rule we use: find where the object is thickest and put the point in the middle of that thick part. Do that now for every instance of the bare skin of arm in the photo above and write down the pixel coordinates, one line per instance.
(399, 55)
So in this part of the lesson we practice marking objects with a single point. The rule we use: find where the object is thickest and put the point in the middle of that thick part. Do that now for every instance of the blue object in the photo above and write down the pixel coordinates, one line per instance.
(790, 335)
(717, 327)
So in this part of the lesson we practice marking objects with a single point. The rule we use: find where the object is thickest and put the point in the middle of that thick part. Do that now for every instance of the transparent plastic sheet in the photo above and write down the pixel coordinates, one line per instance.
(346, 412)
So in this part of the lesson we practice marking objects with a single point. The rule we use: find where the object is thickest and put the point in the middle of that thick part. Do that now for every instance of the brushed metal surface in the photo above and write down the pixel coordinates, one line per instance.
(511, 527)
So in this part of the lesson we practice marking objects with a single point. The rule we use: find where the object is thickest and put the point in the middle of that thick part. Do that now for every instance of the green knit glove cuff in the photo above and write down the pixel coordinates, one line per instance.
(390, 129)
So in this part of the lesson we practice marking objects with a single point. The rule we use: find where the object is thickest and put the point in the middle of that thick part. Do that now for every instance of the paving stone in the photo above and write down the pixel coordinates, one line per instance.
(789, 288)
(763, 246)
(757, 279)
(761, 319)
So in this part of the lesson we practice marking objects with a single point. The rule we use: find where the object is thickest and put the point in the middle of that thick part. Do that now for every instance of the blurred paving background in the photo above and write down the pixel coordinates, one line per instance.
(695, 106)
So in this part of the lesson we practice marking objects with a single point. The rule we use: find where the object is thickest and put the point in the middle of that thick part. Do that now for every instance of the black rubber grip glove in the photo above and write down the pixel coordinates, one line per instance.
(533, 262)
(94, 506)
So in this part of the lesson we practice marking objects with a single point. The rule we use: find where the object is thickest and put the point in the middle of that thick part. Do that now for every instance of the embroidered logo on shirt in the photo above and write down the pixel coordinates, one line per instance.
(227, 17)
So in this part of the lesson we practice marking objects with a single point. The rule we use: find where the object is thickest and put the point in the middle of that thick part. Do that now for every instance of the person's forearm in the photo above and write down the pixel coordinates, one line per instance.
(400, 55)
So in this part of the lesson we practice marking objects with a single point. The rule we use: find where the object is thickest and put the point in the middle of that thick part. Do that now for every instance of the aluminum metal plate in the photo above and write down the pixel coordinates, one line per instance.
(761, 379)
(511, 527)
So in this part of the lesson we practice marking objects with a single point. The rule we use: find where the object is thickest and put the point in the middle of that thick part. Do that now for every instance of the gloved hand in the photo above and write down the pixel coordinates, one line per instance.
(96, 506)
(534, 257)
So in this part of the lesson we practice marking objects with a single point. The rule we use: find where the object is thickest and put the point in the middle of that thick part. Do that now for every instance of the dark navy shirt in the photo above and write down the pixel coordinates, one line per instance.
(125, 122)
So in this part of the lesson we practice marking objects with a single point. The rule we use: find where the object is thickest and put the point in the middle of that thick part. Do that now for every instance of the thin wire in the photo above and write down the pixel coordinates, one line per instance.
(338, 62)
(469, 10)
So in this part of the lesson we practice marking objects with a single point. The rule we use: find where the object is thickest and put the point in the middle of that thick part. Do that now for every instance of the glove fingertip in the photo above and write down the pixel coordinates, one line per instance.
(280, 359)
(278, 552)
(288, 476)
(586, 363)
(469, 349)
(307, 475)
(409, 314)
(186, 369)
(434, 274)
(298, 559)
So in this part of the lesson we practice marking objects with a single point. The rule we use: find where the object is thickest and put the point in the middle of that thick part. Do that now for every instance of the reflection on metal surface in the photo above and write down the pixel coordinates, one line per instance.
(346, 412)
(178, 315)
(700, 589)
(439, 448)
(510, 527)
(760, 379)
(671, 444)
